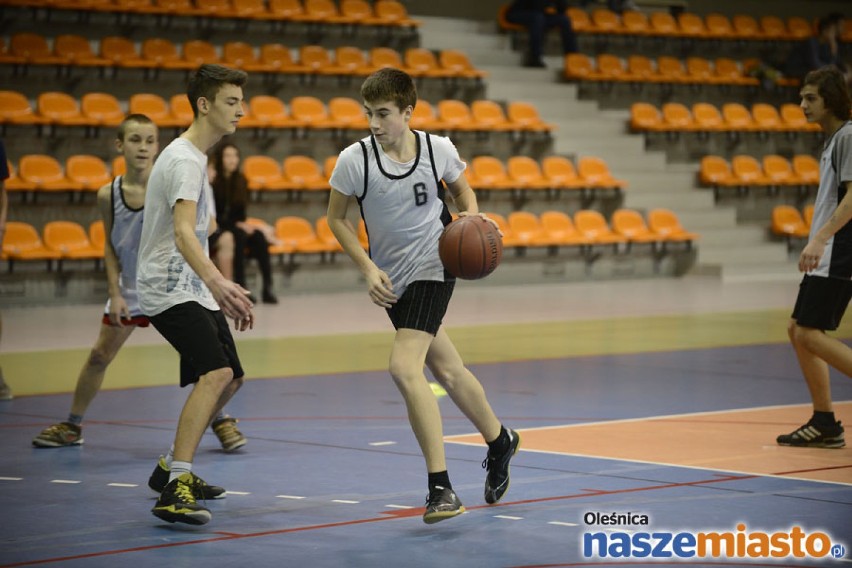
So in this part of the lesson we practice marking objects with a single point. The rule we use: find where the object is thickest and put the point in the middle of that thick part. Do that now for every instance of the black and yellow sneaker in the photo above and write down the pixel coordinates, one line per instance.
(497, 478)
(177, 503)
(811, 436)
(442, 503)
(200, 489)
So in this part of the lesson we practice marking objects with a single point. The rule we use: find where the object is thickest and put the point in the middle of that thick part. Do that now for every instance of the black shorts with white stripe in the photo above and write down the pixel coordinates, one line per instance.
(422, 306)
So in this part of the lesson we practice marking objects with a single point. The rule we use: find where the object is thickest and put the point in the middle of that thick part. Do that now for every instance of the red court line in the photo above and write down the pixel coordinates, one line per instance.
(386, 516)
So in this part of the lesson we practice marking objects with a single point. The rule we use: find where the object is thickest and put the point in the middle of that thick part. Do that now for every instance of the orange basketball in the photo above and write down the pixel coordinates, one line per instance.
(470, 247)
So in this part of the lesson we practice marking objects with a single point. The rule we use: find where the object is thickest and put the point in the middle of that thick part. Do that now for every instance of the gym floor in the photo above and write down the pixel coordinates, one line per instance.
(655, 400)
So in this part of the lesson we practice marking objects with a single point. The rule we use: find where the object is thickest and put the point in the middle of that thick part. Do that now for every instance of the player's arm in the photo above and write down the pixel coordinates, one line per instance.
(463, 196)
(813, 251)
(379, 285)
(117, 305)
(231, 297)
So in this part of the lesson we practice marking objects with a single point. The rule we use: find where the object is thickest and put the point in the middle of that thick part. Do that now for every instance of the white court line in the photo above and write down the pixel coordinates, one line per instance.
(345, 501)
(508, 517)
(388, 443)
(289, 497)
(399, 506)
(123, 484)
(11, 478)
(70, 481)
(561, 524)
(238, 493)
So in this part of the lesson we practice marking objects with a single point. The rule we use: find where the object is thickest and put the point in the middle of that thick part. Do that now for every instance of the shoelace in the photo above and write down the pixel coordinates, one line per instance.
(184, 491)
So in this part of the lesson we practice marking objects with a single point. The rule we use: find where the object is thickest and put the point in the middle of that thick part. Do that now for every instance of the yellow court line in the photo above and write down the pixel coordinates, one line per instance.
(55, 371)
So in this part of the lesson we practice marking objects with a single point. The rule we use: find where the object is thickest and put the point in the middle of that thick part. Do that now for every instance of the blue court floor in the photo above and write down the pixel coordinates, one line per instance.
(332, 476)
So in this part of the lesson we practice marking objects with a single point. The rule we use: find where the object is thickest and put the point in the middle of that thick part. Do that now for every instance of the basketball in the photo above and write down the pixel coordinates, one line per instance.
(470, 247)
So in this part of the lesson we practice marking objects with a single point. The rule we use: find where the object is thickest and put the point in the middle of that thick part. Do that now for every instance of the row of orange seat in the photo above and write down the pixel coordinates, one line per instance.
(685, 25)
(40, 172)
(264, 111)
(710, 118)
(772, 170)
(347, 12)
(117, 51)
(61, 240)
(789, 222)
(665, 69)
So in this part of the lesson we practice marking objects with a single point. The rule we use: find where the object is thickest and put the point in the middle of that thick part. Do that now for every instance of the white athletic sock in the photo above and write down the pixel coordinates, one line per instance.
(170, 457)
(178, 469)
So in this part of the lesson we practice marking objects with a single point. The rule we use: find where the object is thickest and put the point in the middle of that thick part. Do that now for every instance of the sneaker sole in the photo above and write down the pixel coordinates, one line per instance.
(197, 497)
(190, 518)
(48, 444)
(508, 477)
(439, 516)
(826, 445)
(234, 447)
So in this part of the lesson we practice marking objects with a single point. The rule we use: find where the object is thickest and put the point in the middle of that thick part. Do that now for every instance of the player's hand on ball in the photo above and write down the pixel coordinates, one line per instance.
(484, 216)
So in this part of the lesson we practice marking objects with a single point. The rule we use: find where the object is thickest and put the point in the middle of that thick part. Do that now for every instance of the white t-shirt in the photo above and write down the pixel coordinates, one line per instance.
(164, 278)
(835, 169)
(403, 206)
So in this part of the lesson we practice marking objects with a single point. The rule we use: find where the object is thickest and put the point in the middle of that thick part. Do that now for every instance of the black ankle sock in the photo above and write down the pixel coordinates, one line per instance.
(500, 445)
(439, 479)
(824, 418)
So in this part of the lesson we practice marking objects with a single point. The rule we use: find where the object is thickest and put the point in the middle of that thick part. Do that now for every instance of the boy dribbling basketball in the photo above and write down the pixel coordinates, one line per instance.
(396, 174)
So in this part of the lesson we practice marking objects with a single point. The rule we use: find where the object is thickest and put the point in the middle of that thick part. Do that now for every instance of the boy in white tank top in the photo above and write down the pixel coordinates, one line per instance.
(397, 177)
(121, 204)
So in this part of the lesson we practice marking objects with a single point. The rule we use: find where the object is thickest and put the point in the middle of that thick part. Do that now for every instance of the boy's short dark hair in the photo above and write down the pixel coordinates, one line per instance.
(135, 117)
(829, 20)
(389, 84)
(831, 86)
(207, 81)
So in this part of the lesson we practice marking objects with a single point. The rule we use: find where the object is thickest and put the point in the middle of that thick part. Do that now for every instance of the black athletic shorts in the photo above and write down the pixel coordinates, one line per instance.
(422, 306)
(822, 302)
(201, 337)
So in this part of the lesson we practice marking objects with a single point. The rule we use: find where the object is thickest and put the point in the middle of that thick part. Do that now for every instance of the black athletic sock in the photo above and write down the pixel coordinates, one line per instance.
(500, 445)
(439, 479)
(823, 419)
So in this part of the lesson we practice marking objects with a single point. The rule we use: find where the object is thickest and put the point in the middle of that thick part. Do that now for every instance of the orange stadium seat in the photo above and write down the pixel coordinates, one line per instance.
(799, 28)
(44, 173)
(60, 108)
(76, 50)
(594, 227)
(266, 111)
(630, 224)
(779, 171)
(6, 56)
(97, 235)
(611, 67)
(425, 117)
(560, 229)
(635, 23)
(580, 20)
(490, 173)
(525, 115)
(33, 48)
(421, 62)
(356, 11)
(665, 223)
(645, 116)
(738, 117)
(70, 240)
(716, 171)
(806, 168)
(700, 70)
(310, 111)
(385, 57)
(278, 58)
(606, 21)
(641, 68)
(707, 117)
(163, 53)
(249, 9)
(325, 236)
(314, 58)
(122, 51)
(729, 71)
(286, 10)
(579, 67)
(154, 107)
(88, 172)
(677, 116)
(242, 55)
(197, 52)
(526, 173)
(691, 25)
(794, 118)
(264, 174)
(560, 173)
(774, 28)
(748, 171)
(21, 241)
(671, 69)
(320, 11)
(297, 236)
(328, 165)
(392, 13)
(349, 60)
(455, 62)
(746, 27)
(346, 112)
(788, 222)
(14, 181)
(181, 109)
(718, 26)
(119, 166)
(489, 115)
(663, 24)
(15, 108)
(509, 238)
(455, 115)
(527, 229)
(808, 214)
(102, 109)
(304, 173)
(766, 117)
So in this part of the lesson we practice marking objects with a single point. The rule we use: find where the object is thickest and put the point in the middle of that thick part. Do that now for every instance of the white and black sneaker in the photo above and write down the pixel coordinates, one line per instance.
(811, 436)
(497, 478)
(442, 503)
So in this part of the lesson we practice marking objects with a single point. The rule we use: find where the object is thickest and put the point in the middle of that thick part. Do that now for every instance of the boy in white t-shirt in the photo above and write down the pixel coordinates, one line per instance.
(397, 176)
(180, 289)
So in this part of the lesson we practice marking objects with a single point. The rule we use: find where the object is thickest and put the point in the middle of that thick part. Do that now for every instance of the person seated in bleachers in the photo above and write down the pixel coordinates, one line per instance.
(538, 16)
(234, 236)
(820, 50)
